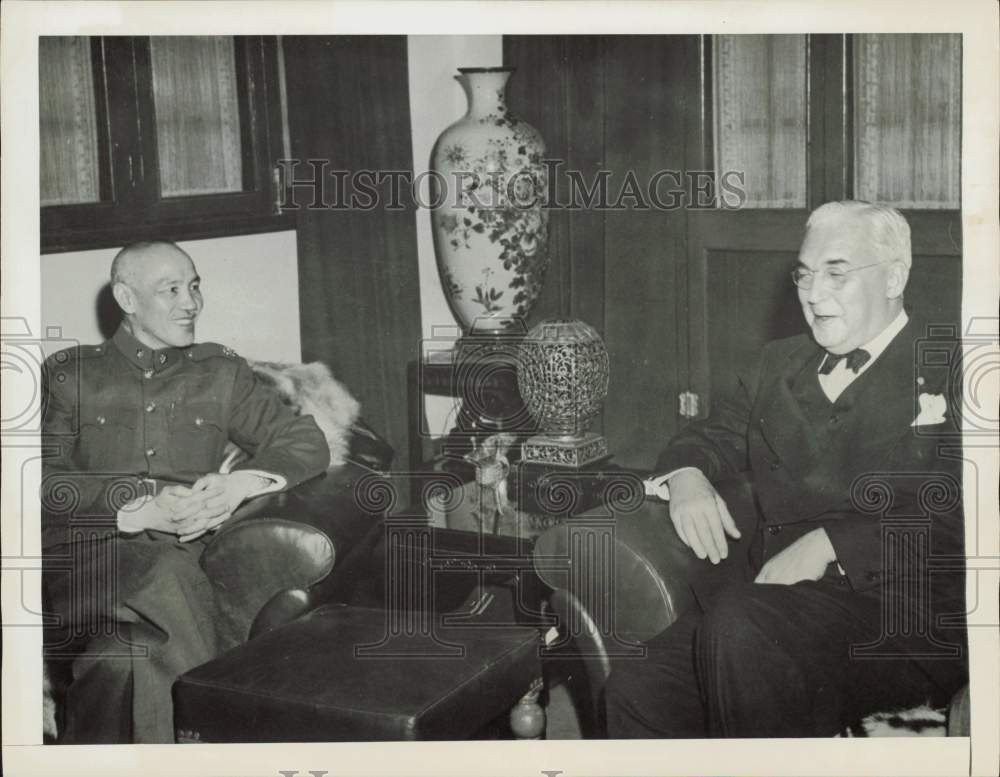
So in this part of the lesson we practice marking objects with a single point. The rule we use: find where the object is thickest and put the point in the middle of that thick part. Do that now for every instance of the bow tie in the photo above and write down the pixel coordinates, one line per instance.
(855, 359)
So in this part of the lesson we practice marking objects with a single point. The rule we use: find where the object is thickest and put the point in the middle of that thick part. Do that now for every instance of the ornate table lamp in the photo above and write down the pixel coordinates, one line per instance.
(563, 379)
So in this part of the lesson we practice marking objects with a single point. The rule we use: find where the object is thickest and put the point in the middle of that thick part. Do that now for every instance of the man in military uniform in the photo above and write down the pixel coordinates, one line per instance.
(135, 476)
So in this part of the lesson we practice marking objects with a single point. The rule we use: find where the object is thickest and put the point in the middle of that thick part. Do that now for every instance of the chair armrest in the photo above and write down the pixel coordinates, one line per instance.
(300, 540)
(629, 573)
(620, 581)
(284, 607)
(257, 559)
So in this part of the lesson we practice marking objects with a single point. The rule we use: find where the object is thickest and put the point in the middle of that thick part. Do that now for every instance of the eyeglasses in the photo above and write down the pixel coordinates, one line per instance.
(834, 277)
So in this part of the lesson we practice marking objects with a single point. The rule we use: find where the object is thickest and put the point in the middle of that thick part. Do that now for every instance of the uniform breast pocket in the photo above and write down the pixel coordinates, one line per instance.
(197, 439)
(107, 438)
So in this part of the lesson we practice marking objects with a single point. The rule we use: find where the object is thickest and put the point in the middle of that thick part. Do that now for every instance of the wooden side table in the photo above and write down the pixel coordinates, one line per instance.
(491, 403)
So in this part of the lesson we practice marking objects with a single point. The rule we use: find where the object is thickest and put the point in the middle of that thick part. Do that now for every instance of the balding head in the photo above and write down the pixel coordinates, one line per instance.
(157, 287)
(128, 263)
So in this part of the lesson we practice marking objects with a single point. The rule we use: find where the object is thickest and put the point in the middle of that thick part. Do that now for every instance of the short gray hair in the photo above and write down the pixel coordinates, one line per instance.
(889, 229)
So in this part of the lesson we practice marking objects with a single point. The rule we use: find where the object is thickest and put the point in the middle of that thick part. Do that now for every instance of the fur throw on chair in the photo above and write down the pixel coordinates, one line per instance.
(310, 389)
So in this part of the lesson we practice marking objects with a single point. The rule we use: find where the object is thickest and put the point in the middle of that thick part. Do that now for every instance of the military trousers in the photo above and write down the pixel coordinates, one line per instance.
(132, 613)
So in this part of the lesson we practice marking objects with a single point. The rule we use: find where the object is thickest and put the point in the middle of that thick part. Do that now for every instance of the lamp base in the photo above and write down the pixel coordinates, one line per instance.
(560, 452)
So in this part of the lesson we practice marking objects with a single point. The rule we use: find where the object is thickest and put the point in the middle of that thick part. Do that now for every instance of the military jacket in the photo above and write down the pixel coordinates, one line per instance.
(121, 419)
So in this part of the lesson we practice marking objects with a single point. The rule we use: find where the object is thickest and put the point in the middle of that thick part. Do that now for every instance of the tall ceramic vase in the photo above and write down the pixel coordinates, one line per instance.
(490, 229)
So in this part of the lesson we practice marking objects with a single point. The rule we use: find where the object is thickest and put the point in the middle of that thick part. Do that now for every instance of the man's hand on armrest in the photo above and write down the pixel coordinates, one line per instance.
(700, 515)
(657, 485)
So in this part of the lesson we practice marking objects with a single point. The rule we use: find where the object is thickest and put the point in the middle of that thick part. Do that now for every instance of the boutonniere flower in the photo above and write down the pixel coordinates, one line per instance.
(932, 409)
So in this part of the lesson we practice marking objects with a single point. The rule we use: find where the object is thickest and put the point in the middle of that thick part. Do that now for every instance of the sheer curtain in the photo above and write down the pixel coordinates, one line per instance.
(760, 116)
(67, 122)
(908, 110)
(197, 115)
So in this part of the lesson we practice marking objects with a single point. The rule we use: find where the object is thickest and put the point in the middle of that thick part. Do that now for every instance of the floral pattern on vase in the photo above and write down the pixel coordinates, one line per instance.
(490, 229)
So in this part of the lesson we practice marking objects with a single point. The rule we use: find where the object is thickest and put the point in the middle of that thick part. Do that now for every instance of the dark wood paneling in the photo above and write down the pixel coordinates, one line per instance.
(359, 306)
(768, 240)
(645, 124)
(935, 288)
(559, 89)
(829, 155)
(750, 300)
(618, 104)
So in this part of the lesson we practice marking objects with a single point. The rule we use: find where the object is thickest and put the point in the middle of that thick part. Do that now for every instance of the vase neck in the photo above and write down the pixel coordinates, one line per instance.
(485, 90)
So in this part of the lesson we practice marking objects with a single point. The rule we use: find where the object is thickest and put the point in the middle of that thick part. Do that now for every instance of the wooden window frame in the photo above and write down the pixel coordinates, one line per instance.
(131, 207)
(830, 134)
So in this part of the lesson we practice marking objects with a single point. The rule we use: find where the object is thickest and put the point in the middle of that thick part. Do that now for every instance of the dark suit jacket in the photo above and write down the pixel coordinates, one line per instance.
(888, 493)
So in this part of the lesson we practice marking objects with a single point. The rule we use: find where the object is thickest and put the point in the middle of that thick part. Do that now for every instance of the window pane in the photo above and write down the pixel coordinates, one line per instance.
(908, 110)
(67, 122)
(197, 115)
(760, 116)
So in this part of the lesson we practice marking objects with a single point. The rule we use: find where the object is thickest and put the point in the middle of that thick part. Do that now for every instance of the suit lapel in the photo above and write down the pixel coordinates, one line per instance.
(875, 411)
(783, 424)
(878, 407)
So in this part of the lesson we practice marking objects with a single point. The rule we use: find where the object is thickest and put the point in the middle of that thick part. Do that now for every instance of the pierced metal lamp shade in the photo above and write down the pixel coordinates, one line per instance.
(563, 379)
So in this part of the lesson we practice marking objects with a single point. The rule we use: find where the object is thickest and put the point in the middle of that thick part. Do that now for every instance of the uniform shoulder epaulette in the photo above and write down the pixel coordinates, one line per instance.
(76, 352)
(204, 351)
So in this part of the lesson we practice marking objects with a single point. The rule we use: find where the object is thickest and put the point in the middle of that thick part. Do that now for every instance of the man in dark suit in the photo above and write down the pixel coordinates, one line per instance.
(819, 605)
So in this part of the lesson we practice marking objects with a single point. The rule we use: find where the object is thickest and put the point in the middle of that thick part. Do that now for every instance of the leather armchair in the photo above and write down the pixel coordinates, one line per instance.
(634, 587)
(284, 554)
(280, 555)
(629, 586)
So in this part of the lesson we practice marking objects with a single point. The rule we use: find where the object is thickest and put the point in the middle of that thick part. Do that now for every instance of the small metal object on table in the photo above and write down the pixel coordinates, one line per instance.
(491, 403)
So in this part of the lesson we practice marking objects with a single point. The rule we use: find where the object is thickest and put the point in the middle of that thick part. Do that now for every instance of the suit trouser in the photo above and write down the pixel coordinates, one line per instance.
(146, 613)
(765, 660)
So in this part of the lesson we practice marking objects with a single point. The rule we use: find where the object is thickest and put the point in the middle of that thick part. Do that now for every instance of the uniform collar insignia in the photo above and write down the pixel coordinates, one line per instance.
(142, 356)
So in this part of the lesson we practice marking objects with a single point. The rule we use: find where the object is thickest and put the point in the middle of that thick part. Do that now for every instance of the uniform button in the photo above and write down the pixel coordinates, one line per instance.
(163, 358)
(199, 421)
(101, 419)
(139, 353)
(772, 530)
(150, 407)
(150, 452)
(97, 349)
(776, 464)
(61, 357)
(834, 420)
(147, 374)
